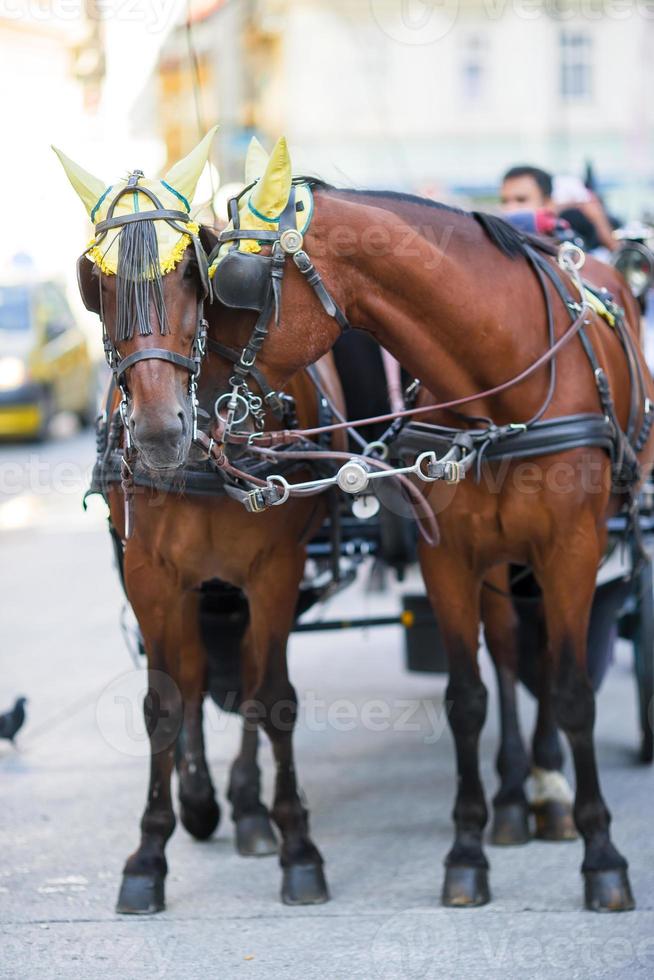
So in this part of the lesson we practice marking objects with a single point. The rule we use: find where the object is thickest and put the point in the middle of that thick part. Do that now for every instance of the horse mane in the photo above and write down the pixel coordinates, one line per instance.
(316, 184)
(511, 242)
(139, 281)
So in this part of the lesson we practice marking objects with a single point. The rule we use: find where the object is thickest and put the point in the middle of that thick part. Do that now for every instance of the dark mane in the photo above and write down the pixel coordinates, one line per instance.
(503, 236)
(427, 202)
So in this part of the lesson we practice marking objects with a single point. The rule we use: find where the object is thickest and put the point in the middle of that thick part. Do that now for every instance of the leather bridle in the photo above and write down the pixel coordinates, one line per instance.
(178, 220)
(285, 241)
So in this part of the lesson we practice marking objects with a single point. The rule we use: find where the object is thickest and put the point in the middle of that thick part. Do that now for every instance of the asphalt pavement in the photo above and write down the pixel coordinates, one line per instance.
(375, 761)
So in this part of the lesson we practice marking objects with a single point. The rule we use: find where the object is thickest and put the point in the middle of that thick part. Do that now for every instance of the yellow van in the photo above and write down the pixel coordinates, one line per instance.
(45, 365)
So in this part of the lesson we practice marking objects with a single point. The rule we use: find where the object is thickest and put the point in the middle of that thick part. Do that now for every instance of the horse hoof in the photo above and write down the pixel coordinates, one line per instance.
(554, 821)
(255, 836)
(510, 825)
(465, 887)
(608, 891)
(304, 884)
(141, 895)
(200, 821)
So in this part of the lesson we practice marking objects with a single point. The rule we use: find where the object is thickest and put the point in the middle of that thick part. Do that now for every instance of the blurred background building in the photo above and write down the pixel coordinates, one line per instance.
(441, 98)
(436, 98)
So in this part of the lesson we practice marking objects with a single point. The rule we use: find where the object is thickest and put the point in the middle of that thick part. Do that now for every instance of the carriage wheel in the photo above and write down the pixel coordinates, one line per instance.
(644, 659)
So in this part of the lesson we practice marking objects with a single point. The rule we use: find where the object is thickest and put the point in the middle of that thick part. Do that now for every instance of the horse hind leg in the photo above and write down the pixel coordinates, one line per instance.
(510, 804)
(254, 834)
(224, 620)
(199, 809)
(550, 794)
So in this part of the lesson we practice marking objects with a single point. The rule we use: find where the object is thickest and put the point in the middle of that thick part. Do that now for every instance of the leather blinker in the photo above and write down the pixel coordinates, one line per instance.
(242, 280)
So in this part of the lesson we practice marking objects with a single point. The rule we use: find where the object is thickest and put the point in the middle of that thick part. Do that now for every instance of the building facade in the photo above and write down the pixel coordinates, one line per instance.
(441, 98)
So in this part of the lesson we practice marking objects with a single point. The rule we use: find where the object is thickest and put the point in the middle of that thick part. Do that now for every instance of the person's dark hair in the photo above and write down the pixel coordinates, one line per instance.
(542, 178)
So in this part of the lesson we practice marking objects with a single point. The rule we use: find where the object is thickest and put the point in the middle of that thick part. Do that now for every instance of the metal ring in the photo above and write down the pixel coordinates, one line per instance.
(417, 466)
(239, 399)
(275, 477)
(571, 256)
(376, 447)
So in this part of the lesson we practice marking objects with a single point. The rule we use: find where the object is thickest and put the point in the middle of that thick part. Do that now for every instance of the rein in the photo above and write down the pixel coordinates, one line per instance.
(355, 476)
(255, 283)
(281, 437)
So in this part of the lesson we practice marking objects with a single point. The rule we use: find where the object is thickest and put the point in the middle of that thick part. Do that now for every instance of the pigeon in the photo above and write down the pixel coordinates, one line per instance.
(13, 720)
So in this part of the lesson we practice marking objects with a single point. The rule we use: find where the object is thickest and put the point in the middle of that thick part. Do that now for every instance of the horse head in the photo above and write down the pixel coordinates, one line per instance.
(145, 275)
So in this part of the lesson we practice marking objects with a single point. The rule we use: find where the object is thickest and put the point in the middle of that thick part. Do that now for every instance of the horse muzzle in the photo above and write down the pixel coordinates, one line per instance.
(162, 440)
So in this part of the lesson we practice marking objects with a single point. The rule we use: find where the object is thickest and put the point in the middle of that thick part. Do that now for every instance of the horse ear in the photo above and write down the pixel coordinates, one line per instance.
(89, 284)
(270, 195)
(256, 161)
(208, 238)
(185, 175)
(88, 187)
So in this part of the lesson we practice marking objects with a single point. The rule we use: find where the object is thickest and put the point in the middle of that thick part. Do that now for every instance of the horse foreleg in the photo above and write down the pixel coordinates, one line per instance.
(167, 617)
(273, 597)
(567, 579)
(453, 590)
(510, 804)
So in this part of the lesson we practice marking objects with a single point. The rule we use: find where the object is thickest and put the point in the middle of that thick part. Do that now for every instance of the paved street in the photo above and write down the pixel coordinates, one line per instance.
(375, 760)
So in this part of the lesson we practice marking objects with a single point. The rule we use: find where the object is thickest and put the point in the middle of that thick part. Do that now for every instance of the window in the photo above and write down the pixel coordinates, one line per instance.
(474, 67)
(576, 60)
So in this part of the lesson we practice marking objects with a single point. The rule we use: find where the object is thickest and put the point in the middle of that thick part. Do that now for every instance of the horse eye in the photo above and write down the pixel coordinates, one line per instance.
(191, 270)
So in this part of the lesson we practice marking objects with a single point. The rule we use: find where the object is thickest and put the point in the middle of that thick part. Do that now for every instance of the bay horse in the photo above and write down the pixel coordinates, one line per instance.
(463, 304)
(155, 334)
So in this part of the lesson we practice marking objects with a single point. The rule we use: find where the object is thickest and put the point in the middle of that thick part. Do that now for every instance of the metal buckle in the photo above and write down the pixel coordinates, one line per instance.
(247, 363)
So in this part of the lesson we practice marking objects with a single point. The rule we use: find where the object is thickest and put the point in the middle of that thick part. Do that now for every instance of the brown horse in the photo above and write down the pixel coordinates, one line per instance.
(458, 303)
(178, 542)
(152, 307)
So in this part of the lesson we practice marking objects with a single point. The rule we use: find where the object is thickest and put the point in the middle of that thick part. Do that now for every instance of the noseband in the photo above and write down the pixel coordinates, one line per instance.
(120, 365)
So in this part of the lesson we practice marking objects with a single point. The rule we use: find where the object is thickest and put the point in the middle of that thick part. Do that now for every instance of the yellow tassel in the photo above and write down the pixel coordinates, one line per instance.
(168, 264)
(96, 254)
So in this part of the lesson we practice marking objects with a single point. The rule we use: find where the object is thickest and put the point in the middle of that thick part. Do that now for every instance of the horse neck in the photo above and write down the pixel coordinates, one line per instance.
(443, 299)
(217, 371)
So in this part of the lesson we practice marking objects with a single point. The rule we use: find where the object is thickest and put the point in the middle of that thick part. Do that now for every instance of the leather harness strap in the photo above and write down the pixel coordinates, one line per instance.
(162, 214)
(158, 353)
(277, 438)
